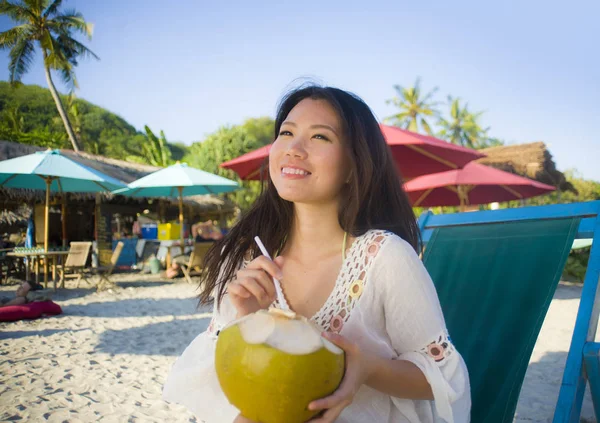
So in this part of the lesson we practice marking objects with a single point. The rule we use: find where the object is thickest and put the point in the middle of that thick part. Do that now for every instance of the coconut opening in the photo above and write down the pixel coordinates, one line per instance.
(285, 331)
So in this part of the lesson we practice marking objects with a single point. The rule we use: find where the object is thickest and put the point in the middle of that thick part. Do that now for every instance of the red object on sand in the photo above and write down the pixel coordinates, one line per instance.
(474, 184)
(29, 311)
(415, 154)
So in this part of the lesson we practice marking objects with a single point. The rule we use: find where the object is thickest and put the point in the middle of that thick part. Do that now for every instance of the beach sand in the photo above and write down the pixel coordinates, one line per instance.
(107, 357)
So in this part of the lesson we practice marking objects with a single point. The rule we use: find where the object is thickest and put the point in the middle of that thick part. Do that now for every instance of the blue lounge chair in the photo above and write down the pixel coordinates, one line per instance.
(496, 273)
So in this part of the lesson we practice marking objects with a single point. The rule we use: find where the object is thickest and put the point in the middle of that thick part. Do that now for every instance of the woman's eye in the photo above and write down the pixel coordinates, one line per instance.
(321, 137)
(282, 133)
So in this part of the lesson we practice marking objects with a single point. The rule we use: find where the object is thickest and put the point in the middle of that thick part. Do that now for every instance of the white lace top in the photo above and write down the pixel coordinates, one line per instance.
(383, 300)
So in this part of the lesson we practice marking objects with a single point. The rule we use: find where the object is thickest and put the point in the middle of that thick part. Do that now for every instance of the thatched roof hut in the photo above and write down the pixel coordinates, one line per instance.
(119, 169)
(531, 160)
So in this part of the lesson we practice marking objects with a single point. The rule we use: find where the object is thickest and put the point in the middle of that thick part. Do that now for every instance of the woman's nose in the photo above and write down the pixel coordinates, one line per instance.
(296, 148)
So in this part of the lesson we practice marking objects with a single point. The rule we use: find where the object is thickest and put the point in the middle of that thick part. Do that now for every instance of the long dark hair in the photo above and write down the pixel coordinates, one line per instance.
(373, 198)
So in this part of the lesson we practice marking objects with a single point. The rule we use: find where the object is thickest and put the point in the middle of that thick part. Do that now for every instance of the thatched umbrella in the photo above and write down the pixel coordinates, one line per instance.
(532, 160)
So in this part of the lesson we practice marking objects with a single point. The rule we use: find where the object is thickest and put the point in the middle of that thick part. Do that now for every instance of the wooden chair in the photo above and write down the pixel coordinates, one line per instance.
(196, 260)
(104, 272)
(74, 265)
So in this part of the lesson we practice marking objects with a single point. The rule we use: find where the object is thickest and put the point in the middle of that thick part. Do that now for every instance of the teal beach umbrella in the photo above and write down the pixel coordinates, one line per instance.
(54, 172)
(178, 180)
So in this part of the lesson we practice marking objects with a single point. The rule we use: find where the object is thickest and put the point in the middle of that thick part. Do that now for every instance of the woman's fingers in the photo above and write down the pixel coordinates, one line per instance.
(253, 286)
(341, 341)
(279, 262)
(256, 290)
(261, 278)
(330, 415)
(337, 398)
(269, 266)
(239, 290)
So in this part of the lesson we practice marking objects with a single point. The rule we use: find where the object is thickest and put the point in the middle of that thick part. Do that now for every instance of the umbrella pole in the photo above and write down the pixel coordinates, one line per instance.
(46, 229)
(64, 219)
(462, 197)
(47, 213)
(180, 190)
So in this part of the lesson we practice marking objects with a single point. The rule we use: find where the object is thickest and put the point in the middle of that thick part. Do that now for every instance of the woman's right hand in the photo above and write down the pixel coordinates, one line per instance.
(253, 288)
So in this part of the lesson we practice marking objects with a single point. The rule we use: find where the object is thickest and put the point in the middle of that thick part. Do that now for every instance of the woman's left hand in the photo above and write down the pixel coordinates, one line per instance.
(358, 370)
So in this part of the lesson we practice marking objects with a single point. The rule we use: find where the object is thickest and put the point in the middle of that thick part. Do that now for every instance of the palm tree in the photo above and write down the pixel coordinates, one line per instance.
(156, 150)
(414, 107)
(463, 128)
(42, 25)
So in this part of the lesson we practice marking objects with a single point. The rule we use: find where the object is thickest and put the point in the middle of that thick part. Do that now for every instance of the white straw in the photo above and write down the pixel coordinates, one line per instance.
(280, 297)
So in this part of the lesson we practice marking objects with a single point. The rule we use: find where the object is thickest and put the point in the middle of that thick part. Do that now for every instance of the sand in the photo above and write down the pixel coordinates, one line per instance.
(106, 358)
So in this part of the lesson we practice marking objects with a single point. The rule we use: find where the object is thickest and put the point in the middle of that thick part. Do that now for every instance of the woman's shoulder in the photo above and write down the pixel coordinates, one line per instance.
(382, 243)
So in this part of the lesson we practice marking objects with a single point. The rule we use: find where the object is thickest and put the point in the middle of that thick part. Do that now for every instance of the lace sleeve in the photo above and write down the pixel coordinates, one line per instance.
(417, 330)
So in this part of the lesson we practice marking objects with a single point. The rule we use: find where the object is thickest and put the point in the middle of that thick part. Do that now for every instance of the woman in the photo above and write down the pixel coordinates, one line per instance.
(345, 237)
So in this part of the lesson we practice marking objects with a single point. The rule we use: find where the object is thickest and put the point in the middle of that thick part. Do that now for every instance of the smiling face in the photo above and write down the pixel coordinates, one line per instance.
(309, 160)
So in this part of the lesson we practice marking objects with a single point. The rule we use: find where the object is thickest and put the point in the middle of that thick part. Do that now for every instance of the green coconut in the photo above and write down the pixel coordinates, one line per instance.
(272, 364)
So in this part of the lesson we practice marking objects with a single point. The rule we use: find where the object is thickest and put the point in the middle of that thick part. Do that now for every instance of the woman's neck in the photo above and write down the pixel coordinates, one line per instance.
(315, 231)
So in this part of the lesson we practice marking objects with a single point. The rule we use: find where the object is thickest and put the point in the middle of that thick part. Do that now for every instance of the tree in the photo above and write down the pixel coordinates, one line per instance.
(262, 129)
(42, 24)
(463, 127)
(585, 190)
(225, 144)
(178, 150)
(415, 107)
(156, 150)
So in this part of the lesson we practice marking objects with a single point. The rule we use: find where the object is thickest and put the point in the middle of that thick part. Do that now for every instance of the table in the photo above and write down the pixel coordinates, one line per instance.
(48, 256)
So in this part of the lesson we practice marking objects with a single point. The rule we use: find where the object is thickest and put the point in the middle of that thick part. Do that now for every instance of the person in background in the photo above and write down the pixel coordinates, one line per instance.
(24, 294)
(206, 232)
(202, 232)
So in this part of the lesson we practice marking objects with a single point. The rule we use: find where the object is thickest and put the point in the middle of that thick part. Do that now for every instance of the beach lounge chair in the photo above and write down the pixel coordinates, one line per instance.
(74, 265)
(496, 273)
(194, 264)
(104, 272)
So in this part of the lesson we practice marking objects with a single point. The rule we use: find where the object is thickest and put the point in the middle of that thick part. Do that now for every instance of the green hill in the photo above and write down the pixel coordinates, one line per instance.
(28, 115)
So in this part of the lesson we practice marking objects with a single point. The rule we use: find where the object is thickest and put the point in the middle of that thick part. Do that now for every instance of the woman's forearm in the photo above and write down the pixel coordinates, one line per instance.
(399, 378)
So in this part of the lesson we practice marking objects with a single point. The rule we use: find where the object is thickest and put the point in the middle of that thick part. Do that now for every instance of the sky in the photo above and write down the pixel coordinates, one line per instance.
(189, 67)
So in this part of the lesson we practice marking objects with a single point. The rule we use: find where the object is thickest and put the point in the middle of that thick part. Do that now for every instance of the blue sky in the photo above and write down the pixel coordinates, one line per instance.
(188, 67)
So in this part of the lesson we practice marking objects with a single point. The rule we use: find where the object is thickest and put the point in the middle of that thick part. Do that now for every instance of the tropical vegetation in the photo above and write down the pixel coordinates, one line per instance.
(42, 25)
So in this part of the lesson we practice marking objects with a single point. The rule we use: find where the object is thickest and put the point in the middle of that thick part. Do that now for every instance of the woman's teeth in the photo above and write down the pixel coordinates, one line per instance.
(291, 171)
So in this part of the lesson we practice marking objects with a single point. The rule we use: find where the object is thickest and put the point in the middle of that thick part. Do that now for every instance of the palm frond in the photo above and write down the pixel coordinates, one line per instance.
(455, 108)
(74, 49)
(426, 126)
(413, 125)
(21, 56)
(48, 45)
(16, 12)
(68, 77)
(10, 38)
(430, 95)
(53, 8)
(398, 119)
(73, 20)
(36, 6)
